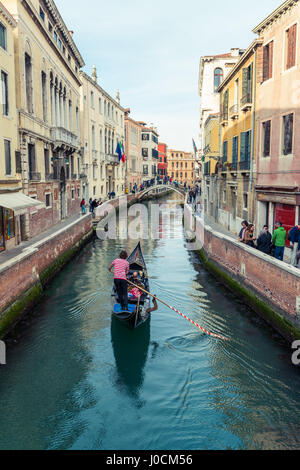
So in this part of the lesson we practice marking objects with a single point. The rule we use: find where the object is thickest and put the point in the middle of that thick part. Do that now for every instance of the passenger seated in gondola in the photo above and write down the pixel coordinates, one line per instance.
(134, 292)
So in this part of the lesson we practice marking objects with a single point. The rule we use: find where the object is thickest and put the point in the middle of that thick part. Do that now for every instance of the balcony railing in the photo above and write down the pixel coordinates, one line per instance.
(112, 159)
(244, 165)
(224, 118)
(33, 176)
(95, 156)
(61, 135)
(234, 111)
(246, 102)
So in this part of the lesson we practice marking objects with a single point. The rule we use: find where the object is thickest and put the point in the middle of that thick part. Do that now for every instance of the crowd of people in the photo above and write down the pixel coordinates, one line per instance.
(273, 245)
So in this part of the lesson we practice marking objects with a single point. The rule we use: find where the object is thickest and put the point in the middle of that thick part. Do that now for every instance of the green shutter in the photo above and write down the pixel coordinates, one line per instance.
(250, 82)
(243, 146)
(249, 146)
(245, 82)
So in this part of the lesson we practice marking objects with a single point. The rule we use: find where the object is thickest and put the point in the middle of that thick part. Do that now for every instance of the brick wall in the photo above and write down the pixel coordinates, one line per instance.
(22, 272)
(275, 282)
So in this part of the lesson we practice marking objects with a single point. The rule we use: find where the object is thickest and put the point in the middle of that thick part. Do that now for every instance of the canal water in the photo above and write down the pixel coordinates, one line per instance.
(76, 380)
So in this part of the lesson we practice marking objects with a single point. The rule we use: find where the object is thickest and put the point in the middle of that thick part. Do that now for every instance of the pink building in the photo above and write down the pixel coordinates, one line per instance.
(278, 117)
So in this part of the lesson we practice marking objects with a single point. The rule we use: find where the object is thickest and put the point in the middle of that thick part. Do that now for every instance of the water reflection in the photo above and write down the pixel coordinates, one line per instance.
(130, 349)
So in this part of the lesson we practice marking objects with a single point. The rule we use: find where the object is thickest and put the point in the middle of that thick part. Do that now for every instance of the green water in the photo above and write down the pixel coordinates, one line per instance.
(76, 380)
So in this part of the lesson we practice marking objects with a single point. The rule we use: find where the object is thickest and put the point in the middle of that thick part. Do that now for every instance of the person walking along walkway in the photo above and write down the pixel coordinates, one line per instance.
(279, 240)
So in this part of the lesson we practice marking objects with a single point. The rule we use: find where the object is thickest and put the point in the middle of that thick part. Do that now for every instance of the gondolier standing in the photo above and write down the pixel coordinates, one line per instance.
(121, 269)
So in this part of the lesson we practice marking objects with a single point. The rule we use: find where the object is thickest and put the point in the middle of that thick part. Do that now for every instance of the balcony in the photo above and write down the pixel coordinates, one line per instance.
(50, 176)
(95, 157)
(246, 102)
(206, 149)
(112, 159)
(62, 136)
(245, 166)
(224, 118)
(33, 176)
(234, 112)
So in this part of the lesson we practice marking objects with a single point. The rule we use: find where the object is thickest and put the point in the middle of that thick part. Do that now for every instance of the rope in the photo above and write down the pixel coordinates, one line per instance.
(213, 335)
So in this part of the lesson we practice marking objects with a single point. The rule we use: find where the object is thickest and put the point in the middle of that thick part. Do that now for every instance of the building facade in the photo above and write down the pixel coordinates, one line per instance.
(133, 151)
(181, 166)
(10, 177)
(212, 71)
(278, 117)
(149, 152)
(210, 162)
(162, 166)
(102, 127)
(237, 171)
(47, 64)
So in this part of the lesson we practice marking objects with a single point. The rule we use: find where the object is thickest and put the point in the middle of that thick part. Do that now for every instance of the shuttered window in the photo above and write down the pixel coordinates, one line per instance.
(268, 61)
(291, 37)
(225, 151)
(245, 146)
(266, 138)
(235, 150)
(247, 84)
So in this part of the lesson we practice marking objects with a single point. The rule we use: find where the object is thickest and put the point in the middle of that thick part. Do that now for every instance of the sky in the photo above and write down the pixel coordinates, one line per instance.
(150, 52)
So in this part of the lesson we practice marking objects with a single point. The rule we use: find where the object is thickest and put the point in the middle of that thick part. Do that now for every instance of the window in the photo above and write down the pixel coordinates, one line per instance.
(73, 194)
(225, 151)
(268, 61)
(42, 14)
(225, 106)
(50, 27)
(7, 153)
(288, 122)
(100, 106)
(4, 86)
(235, 151)
(291, 37)
(266, 138)
(145, 169)
(92, 100)
(247, 84)
(59, 43)
(145, 152)
(44, 96)
(218, 78)
(47, 162)
(55, 36)
(145, 136)
(28, 82)
(3, 39)
(48, 200)
(245, 150)
(245, 200)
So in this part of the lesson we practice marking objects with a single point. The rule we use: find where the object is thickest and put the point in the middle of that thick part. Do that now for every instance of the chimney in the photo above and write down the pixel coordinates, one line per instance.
(71, 33)
(118, 97)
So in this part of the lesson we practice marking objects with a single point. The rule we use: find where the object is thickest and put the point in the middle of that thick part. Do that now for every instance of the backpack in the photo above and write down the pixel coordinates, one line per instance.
(290, 235)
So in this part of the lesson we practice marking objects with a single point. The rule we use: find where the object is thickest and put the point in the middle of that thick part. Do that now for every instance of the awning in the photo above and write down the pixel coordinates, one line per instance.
(18, 202)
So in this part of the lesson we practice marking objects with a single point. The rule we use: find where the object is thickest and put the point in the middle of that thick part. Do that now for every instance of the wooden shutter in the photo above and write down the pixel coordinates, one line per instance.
(243, 147)
(250, 82)
(271, 47)
(266, 63)
(248, 155)
(291, 46)
(245, 82)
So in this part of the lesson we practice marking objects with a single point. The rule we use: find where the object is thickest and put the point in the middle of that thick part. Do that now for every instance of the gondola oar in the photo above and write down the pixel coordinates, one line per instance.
(213, 335)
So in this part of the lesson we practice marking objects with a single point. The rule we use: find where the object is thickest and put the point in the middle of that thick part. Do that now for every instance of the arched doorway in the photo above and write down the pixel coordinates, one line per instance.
(62, 191)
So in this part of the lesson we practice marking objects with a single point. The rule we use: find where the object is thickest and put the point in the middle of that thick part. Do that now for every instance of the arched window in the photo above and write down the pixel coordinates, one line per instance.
(218, 78)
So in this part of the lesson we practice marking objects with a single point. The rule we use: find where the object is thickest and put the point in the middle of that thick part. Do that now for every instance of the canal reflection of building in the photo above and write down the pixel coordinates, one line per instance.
(131, 351)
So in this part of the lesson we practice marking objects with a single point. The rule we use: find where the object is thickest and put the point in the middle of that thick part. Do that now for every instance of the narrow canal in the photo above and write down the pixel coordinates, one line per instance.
(77, 380)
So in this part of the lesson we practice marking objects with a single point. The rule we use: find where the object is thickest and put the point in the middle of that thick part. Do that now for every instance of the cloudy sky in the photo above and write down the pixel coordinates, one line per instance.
(150, 51)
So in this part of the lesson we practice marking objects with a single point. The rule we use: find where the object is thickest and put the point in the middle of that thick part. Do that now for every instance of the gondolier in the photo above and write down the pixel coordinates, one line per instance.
(121, 269)
(138, 307)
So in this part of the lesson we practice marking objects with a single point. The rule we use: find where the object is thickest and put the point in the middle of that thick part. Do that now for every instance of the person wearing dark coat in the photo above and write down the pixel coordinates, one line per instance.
(264, 241)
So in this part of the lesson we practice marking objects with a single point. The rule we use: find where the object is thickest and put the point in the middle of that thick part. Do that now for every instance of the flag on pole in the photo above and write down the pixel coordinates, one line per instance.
(119, 151)
(123, 153)
(195, 148)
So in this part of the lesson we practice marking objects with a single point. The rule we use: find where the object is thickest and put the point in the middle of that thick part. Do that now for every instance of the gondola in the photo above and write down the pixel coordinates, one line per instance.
(137, 308)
